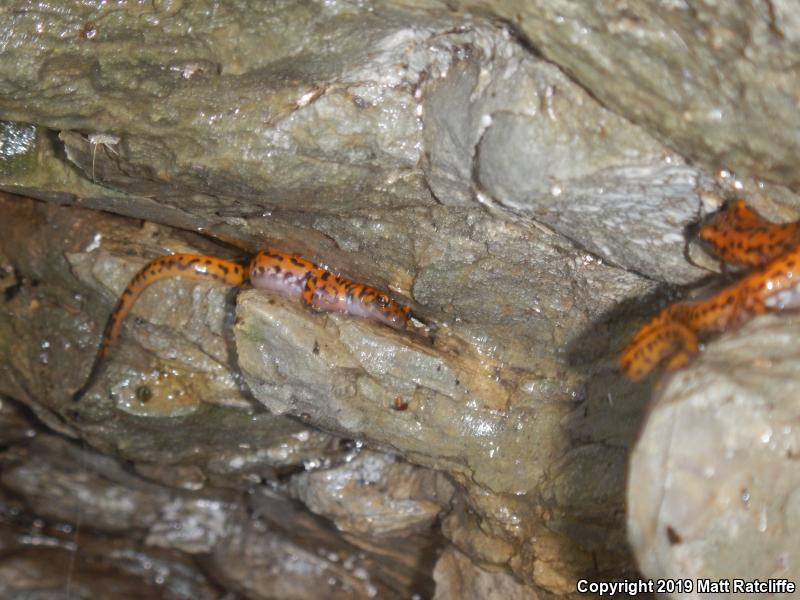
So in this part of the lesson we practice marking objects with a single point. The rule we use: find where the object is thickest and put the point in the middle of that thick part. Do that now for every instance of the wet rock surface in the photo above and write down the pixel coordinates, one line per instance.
(351, 132)
(458, 577)
(100, 523)
(458, 419)
(263, 450)
(713, 81)
(715, 469)
(389, 498)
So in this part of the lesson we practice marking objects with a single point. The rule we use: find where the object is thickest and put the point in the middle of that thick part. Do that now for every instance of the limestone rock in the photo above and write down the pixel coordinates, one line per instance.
(711, 80)
(713, 486)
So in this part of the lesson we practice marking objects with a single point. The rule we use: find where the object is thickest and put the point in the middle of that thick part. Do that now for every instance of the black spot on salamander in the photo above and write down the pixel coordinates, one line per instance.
(193, 261)
(224, 269)
(208, 261)
(295, 261)
(325, 276)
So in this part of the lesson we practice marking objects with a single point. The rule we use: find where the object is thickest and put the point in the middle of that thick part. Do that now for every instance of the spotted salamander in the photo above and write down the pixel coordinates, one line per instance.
(737, 235)
(286, 274)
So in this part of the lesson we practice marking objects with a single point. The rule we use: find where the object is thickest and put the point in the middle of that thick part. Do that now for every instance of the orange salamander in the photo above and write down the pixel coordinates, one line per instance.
(286, 274)
(737, 235)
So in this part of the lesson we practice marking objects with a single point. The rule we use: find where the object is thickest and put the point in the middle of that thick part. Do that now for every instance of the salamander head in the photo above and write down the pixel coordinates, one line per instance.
(391, 313)
(734, 219)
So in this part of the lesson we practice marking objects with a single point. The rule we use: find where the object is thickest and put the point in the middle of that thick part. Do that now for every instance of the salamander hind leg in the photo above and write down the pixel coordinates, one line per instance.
(309, 291)
(285, 274)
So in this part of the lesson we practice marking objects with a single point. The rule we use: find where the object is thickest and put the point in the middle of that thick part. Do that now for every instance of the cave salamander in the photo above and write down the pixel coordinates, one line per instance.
(285, 274)
(736, 235)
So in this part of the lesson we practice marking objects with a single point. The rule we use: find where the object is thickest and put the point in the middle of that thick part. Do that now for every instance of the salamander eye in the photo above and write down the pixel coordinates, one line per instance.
(382, 301)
